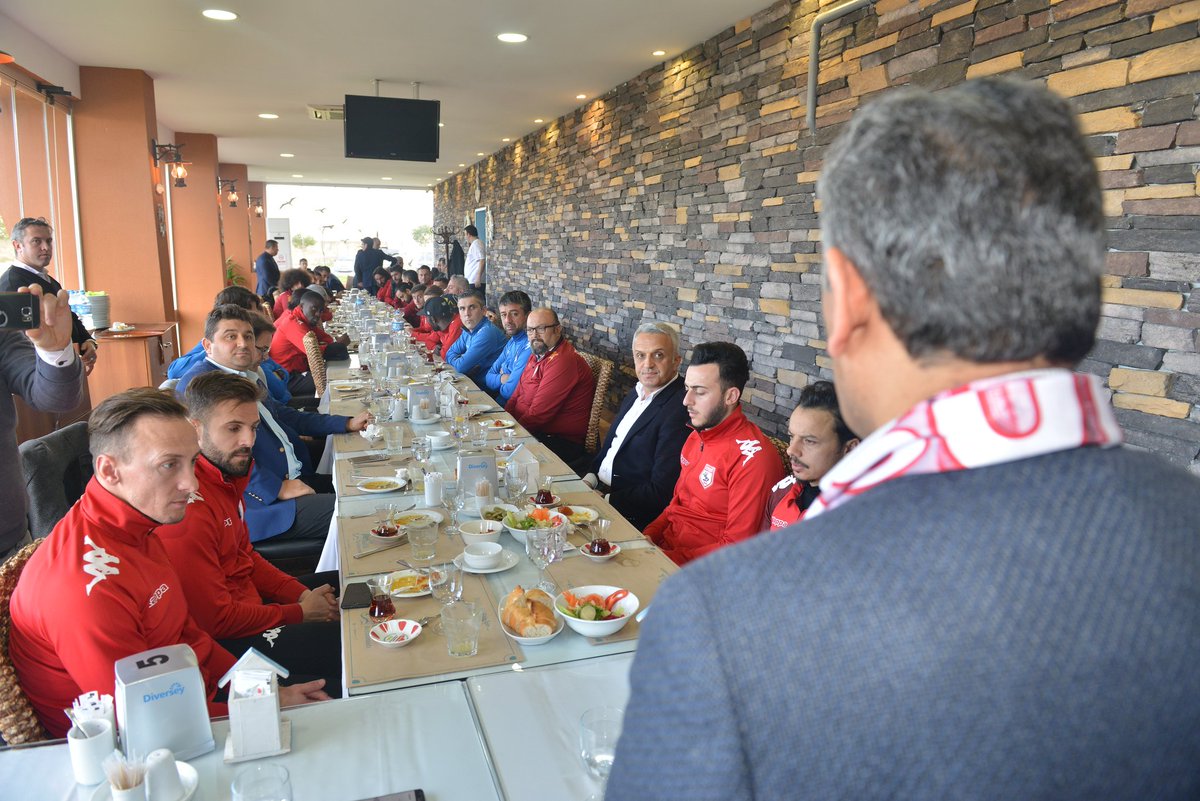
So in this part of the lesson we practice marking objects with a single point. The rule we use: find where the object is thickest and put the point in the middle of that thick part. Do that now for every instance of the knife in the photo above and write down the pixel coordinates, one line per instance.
(400, 540)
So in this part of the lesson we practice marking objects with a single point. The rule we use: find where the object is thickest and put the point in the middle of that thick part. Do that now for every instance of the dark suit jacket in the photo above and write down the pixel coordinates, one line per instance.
(266, 515)
(647, 466)
(15, 278)
(268, 273)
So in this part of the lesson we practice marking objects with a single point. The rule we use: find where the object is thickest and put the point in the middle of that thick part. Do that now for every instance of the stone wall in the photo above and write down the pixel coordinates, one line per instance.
(687, 194)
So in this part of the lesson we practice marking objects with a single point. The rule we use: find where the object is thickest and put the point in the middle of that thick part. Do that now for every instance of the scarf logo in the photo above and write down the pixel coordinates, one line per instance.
(748, 447)
(98, 563)
(706, 476)
(1011, 409)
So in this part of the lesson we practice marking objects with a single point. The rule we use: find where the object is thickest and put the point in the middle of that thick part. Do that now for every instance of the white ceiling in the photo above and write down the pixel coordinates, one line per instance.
(281, 55)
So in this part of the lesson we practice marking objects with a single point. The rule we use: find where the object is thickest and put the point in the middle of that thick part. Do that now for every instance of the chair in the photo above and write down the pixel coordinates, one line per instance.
(782, 447)
(602, 370)
(57, 468)
(316, 361)
(18, 722)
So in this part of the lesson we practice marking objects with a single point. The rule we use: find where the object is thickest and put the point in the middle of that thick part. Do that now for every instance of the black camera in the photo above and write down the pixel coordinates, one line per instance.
(20, 310)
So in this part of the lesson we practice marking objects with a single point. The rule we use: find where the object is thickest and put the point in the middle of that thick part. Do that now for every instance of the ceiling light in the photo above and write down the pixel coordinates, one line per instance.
(441, 125)
(429, 184)
(480, 154)
(297, 175)
(218, 14)
(539, 120)
(581, 97)
(506, 139)
(268, 116)
(462, 165)
(449, 172)
(659, 53)
(386, 178)
(287, 155)
(512, 38)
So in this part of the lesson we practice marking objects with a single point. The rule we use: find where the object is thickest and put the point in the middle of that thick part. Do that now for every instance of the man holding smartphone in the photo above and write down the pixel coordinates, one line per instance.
(33, 245)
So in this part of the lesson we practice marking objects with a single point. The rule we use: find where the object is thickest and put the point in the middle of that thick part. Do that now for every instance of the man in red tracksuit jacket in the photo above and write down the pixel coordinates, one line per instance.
(727, 465)
(553, 399)
(234, 594)
(101, 587)
(444, 322)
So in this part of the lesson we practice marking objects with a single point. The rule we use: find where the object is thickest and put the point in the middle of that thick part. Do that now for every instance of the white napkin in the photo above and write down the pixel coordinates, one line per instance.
(372, 432)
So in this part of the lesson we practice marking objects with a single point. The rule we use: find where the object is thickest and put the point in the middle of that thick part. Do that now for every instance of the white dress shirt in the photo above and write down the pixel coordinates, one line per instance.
(473, 268)
(635, 411)
(293, 462)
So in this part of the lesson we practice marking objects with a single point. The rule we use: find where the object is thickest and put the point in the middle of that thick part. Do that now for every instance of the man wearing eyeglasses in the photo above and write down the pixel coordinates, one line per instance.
(33, 244)
(553, 399)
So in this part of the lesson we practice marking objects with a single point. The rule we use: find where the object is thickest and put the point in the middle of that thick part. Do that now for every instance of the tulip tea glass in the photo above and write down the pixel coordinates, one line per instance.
(382, 607)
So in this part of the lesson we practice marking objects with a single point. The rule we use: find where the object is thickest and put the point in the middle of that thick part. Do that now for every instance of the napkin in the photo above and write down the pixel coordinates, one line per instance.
(372, 432)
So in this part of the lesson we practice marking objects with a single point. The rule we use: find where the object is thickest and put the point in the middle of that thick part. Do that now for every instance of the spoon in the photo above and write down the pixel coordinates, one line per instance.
(642, 614)
(412, 567)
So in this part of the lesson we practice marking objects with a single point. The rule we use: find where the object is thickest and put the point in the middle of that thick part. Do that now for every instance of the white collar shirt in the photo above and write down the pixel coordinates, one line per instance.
(635, 411)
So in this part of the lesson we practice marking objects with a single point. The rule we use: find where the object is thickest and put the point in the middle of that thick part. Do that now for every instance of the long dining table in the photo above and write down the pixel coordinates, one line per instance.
(502, 724)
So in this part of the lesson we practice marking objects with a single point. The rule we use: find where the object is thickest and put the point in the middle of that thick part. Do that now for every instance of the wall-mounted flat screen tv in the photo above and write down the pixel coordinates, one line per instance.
(392, 128)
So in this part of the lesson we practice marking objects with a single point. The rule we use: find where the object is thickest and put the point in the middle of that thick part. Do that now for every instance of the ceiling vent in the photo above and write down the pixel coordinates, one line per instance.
(327, 113)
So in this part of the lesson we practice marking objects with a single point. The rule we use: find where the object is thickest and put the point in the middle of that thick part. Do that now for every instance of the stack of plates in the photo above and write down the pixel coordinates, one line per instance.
(100, 310)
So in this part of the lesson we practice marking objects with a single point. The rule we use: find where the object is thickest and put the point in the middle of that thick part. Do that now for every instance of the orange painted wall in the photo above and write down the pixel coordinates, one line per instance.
(123, 251)
(196, 222)
(258, 225)
(235, 223)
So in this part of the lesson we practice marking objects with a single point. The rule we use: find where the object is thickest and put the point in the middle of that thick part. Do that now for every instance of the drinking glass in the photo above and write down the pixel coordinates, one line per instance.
(460, 624)
(456, 504)
(599, 730)
(544, 546)
(393, 438)
(265, 782)
(479, 433)
(422, 448)
(446, 582)
(423, 540)
(461, 429)
(516, 481)
(382, 607)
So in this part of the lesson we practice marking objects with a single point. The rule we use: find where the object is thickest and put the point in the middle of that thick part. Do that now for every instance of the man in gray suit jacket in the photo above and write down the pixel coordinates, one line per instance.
(990, 598)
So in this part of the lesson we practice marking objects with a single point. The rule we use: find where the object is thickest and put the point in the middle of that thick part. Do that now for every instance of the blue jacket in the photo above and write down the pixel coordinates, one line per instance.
(511, 362)
(474, 351)
(276, 384)
(265, 514)
(268, 273)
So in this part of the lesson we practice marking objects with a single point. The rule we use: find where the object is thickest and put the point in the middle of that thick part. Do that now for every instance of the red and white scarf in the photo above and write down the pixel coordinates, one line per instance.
(986, 422)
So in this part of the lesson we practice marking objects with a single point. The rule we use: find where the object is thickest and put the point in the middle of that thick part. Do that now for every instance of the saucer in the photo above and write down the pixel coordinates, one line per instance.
(508, 560)
(187, 776)
(433, 418)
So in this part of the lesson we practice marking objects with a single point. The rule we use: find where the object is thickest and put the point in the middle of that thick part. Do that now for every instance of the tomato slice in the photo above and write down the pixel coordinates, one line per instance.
(614, 599)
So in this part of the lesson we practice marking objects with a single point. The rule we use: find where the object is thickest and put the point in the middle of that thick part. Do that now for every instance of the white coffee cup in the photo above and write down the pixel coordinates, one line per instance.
(439, 439)
(89, 744)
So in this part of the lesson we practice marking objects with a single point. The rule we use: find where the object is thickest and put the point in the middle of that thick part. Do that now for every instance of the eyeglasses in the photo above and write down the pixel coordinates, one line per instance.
(541, 329)
(262, 351)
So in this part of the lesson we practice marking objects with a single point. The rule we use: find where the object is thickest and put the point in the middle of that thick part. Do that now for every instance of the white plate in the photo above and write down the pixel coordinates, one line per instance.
(450, 444)
(558, 618)
(348, 387)
(406, 594)
(616, 549)
(591, 515)
(430, 513)
(433, 418)
(393, 484)
(508, 560)
(555, 502)
(434, 513)
(380, 538)
(187, 776)
(502, 423)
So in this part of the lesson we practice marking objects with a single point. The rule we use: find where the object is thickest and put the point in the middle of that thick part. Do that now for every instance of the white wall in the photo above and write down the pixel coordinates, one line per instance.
(33, 54)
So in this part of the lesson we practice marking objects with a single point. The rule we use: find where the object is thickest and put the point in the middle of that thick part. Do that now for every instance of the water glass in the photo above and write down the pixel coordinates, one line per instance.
(479, 434)
(446, 582)
(599, 730)
(264, 782)
(423, 539)
(516, 481)
(393, 438)
(460, 624)
(422, 449)
(544, 546)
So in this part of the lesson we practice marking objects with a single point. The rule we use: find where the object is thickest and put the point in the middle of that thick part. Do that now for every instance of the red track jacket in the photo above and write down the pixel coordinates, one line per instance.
(726, 476)
(224, 579)
(99, 589)
(441, 339)
(287, 344)
(554, 395)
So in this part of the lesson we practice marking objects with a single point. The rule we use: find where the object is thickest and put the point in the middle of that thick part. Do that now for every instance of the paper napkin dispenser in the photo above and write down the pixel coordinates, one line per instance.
(476, 466)
(161, 703)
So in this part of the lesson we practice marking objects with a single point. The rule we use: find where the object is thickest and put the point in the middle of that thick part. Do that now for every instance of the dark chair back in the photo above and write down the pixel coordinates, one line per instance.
(57, 468)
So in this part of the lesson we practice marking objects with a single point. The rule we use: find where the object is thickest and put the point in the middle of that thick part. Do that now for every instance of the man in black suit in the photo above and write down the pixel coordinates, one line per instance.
(267, 270)
(33, 244)
(639, 463)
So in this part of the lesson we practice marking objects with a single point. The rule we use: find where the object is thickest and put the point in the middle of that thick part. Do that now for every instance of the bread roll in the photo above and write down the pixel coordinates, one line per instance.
(529, 614)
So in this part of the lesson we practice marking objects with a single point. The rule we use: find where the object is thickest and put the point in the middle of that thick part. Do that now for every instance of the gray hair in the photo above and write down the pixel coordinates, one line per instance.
(660, 328)
(18, 231)
(458, 281)
(974, 216)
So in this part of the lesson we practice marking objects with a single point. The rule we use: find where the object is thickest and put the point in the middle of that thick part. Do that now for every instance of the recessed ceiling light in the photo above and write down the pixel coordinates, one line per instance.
(218, 14)
(480, 154)
(506, 139)
(386, 178)
(268, 116)
(539, 120)
(287, 155)
(512, 38)
(462, 165)
(429, 184)
(297, 175)
(441, 125)
(581, 97)
(659, 53)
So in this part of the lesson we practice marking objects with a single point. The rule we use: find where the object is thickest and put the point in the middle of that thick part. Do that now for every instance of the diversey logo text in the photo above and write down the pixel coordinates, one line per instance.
(174, 689)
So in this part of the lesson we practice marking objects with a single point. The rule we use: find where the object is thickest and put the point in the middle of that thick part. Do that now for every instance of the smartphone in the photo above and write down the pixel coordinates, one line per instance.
(356, 596)
(407, 795)
(19, 310)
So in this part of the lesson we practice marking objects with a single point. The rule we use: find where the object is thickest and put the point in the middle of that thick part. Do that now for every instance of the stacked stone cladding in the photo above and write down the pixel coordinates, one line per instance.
(687, 194)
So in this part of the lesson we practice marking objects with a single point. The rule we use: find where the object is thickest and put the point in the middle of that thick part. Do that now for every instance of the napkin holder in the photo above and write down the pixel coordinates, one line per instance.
(530, 467)
(256, 728)
(474, 466)
(161, 702)
(416, 394)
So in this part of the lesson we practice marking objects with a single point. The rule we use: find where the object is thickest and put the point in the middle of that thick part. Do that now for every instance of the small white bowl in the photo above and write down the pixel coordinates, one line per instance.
(439, 439)
(483, 555)
(395, 633)
(628, 606)
(616, 549)
(475, 531)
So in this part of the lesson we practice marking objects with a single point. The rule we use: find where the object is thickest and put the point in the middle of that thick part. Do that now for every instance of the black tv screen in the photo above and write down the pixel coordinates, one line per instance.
(391, 128)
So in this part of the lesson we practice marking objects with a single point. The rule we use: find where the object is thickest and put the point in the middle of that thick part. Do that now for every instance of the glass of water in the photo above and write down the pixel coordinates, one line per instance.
(599, 730)
(446, 582)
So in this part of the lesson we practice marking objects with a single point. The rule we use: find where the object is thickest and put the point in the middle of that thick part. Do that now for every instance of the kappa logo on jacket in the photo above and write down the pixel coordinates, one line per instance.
(194, 496)
(158, 594)
(706, 476)
(98, 563)
(748, 447)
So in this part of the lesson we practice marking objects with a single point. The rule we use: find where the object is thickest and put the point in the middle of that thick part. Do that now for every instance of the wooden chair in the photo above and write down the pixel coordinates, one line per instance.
(316, 361)
(18, 722)
(602, 370)
(781, 446)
